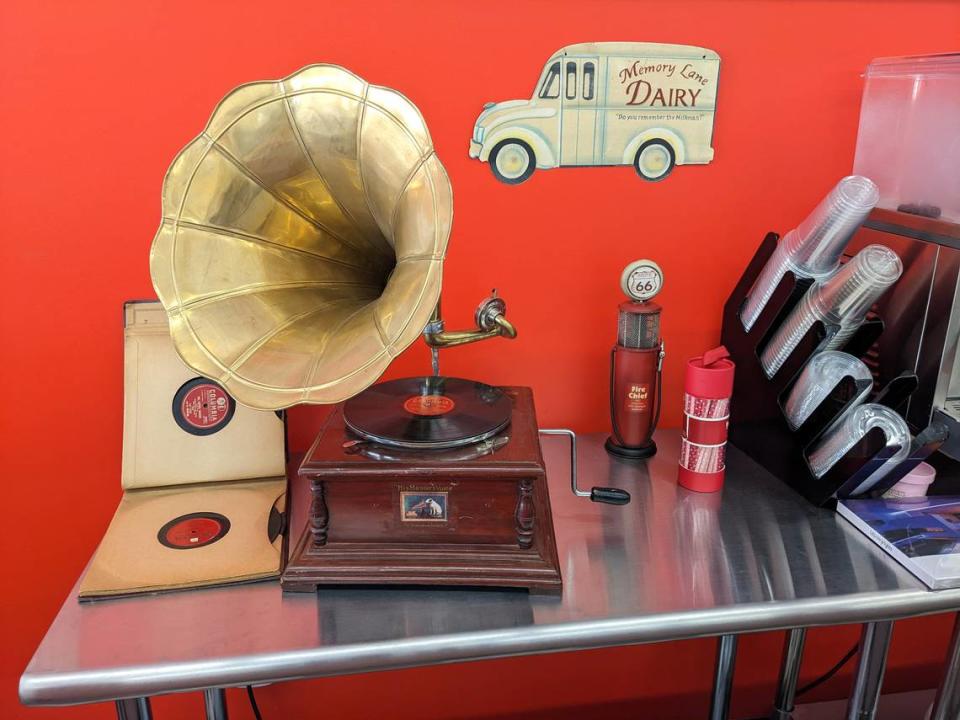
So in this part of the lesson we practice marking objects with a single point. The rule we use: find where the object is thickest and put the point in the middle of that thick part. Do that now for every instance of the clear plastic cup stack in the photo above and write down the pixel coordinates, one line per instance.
(846, 433)
(840, 303)
(813, 248)
(818, 379)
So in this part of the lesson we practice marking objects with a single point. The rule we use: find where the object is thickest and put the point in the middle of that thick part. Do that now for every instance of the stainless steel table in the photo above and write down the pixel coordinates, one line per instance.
(670, 565)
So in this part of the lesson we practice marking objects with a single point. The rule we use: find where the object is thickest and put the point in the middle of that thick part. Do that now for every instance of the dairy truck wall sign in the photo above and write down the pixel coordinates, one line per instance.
(614, 103)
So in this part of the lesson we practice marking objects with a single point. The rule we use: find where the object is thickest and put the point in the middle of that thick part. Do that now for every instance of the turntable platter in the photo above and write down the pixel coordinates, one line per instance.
(428, 412)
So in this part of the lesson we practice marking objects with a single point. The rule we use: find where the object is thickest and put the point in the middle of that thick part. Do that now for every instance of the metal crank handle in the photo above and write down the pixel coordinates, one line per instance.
(611, 496)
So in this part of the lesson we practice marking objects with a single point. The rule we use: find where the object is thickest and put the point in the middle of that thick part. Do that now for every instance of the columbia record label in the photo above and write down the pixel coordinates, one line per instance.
(202, 407)
(193, 530)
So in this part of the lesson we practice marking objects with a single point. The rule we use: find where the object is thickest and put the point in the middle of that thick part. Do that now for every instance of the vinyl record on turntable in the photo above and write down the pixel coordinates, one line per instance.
(428, 412)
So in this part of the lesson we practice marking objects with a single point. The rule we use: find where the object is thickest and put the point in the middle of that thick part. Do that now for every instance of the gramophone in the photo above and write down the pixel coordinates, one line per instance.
(300, 251)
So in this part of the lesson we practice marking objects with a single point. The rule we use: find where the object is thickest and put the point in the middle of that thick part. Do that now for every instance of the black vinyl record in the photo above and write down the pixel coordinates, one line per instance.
(202, 407)
(428, 412)
(193, 530)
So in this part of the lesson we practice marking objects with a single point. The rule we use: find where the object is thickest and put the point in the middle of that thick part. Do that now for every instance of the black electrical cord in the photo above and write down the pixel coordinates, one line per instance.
(253, 703)
(829, 673)
(823, 678)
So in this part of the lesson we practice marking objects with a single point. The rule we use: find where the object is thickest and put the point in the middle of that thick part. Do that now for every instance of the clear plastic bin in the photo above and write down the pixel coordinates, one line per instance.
(908, 142)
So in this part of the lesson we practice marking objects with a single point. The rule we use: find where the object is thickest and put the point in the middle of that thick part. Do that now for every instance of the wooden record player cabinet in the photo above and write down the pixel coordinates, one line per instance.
(428, 517)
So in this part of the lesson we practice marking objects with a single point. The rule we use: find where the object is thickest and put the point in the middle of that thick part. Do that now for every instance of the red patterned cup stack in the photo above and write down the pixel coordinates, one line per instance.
(706, 411)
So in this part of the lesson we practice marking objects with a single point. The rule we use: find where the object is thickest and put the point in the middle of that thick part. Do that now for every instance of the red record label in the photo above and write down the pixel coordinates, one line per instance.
(193, 530)
(202, 407)
(430, 405)
(205, 406)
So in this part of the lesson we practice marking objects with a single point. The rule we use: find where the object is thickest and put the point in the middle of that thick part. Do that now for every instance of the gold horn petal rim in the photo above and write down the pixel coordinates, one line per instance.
(302, 238)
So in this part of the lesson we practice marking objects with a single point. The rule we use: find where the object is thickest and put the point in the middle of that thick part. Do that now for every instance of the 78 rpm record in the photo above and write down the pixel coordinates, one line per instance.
(193, 530)
(202, 407)
(428, 412)
(206, 534)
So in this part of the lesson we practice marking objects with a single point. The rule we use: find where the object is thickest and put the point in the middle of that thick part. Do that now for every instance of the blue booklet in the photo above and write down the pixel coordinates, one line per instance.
(922, 534)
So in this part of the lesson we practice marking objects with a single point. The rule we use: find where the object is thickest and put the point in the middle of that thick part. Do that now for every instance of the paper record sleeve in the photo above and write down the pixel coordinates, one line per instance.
(235, 527)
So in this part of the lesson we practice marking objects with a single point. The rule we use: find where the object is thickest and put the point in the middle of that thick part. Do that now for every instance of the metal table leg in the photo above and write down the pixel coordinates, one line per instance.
(947, 704)
(874, 642)
(723, 677)
(215, 703)
(789, 673)
(134, 709)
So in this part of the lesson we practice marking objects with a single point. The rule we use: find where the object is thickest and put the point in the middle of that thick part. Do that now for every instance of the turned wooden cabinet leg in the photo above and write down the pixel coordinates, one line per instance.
(319, 515)
(525, 514)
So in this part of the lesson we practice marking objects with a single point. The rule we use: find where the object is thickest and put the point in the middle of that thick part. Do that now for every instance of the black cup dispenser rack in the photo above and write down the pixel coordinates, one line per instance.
(758, 425)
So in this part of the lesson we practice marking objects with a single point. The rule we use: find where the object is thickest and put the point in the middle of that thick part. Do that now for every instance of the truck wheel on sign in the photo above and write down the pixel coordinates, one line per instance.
(512, 161)
(654, 160)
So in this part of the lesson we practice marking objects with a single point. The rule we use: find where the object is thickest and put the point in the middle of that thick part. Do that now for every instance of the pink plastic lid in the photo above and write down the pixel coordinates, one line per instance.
(922, 474)
(710, 375)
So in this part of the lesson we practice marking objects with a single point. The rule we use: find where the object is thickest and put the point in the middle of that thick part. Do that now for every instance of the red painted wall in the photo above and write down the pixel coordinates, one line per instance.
(99, 96)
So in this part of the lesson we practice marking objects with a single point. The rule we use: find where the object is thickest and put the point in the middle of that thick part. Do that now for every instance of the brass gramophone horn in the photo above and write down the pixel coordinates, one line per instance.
(303, 238)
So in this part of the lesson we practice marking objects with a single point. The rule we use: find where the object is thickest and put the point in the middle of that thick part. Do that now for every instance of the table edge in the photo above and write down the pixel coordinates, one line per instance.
(106, 684)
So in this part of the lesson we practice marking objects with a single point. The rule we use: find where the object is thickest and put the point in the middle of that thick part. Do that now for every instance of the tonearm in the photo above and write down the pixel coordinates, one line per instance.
(491, 321)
